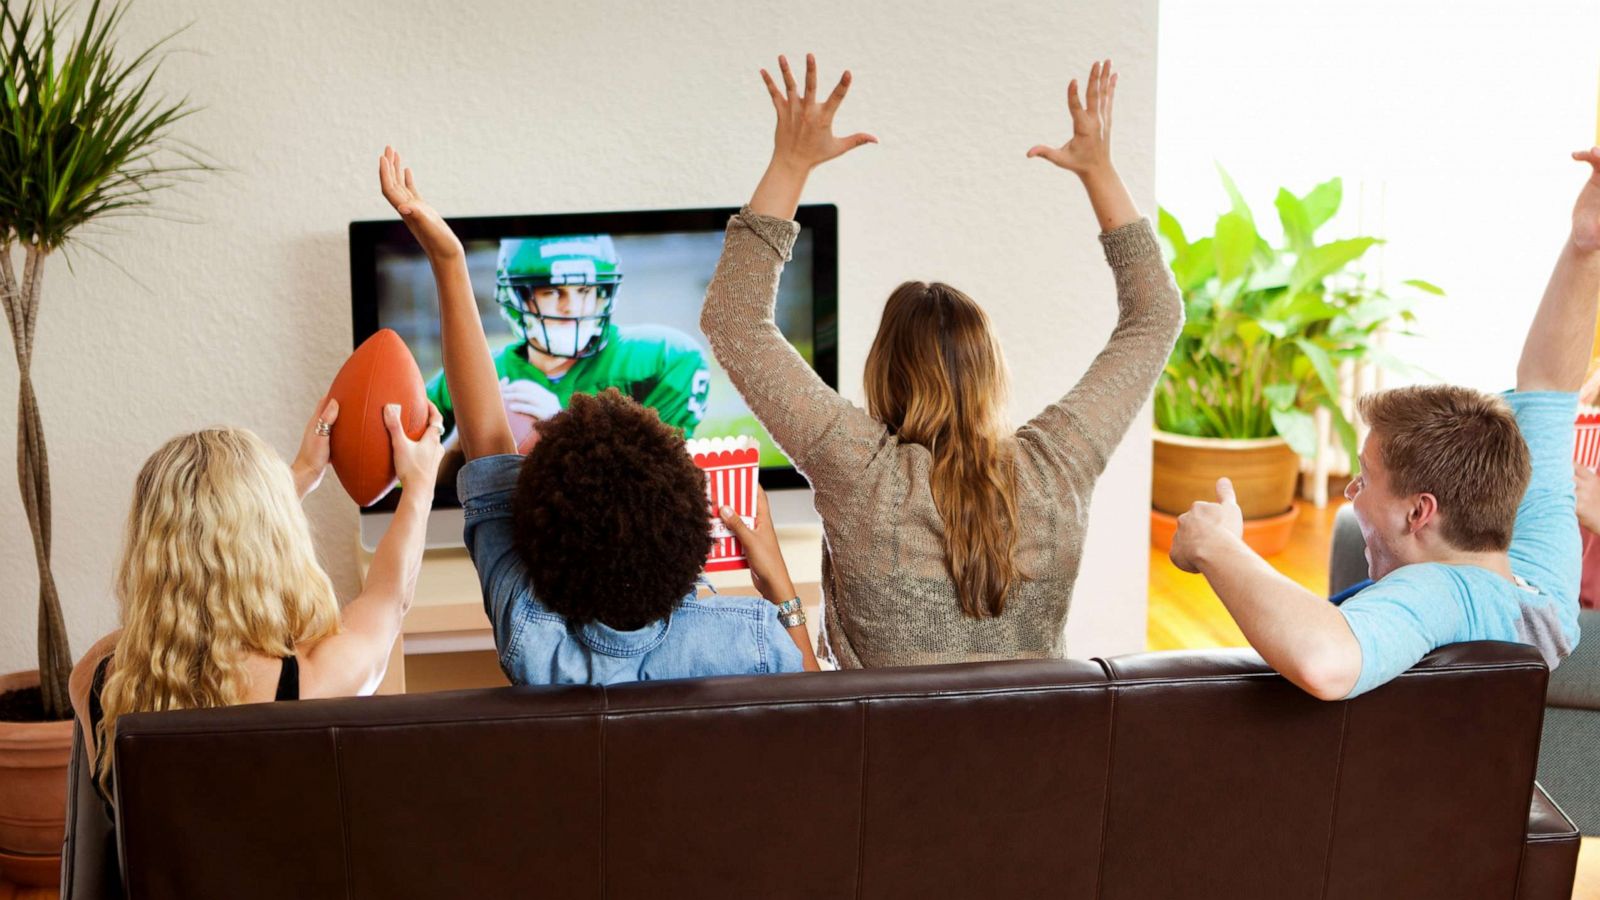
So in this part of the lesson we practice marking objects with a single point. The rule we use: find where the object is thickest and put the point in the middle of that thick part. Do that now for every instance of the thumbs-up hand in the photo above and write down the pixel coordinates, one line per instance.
(1204, 525)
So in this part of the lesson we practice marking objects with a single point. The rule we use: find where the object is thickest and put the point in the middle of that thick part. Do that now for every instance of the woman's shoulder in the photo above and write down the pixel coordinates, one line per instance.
(82, 679)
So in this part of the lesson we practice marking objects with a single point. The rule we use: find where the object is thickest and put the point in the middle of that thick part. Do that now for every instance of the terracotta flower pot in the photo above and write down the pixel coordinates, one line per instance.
(1186, 469)
(1268, 536)
(33, 779)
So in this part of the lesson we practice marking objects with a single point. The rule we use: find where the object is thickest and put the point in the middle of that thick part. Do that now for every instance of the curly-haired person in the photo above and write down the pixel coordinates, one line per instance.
(589, 549)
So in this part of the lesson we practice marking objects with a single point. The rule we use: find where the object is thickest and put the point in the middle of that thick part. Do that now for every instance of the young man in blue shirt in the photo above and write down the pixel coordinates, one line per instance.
(589, 549)
(1466, 504)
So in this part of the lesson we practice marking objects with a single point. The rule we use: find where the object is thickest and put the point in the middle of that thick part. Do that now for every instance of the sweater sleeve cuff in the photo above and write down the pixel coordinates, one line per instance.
(779, 234)
(1132, 243)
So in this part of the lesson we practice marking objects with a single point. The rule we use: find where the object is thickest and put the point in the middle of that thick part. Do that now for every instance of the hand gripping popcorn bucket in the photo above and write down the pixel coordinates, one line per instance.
(730, 465)
(1586, 447)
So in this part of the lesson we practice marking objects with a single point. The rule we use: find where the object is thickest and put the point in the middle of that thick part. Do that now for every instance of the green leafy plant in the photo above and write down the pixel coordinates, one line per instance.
(1267, 326)
(82, 138)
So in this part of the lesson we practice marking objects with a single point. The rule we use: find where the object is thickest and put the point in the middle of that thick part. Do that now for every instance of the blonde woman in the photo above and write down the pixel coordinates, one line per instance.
(948, 536)
(222, 599)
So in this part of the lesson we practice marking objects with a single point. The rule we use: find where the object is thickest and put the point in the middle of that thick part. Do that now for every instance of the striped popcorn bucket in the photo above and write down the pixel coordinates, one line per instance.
(730, 465)
(1586, 449)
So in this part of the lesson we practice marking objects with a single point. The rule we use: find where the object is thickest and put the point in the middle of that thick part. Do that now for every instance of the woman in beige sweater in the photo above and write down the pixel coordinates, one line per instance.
(947, 537)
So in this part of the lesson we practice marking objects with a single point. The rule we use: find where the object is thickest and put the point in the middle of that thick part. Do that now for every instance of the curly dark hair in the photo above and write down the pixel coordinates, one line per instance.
(611, 514)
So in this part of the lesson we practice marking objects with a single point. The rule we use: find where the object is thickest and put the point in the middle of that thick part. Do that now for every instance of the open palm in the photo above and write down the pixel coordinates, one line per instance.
(1089, 148)
(400, 189)
(1586, 215)
(805, 135)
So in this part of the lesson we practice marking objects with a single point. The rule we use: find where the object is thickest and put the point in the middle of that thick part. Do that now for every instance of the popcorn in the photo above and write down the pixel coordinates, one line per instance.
(730, 464)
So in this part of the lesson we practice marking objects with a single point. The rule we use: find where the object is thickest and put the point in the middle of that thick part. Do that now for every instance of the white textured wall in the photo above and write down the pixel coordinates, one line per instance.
(1449, 123)
(510, 107)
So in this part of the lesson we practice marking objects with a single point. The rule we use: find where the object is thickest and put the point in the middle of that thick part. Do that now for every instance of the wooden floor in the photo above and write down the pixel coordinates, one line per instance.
(1184, 613)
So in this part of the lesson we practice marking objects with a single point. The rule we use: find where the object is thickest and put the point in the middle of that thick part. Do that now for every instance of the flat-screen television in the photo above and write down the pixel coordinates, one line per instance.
(577, 302)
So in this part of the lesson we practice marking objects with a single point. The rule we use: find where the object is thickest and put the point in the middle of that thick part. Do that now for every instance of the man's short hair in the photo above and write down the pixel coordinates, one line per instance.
(612, 519)
(1463, 447)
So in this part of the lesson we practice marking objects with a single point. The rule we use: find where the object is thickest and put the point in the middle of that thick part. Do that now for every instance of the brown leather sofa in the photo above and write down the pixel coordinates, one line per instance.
(1192, 775)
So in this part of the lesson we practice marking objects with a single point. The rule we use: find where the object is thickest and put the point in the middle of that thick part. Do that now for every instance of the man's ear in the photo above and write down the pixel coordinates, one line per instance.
(1424, 511)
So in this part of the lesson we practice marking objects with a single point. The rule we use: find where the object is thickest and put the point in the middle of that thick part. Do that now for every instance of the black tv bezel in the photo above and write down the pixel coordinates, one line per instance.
(822, 219)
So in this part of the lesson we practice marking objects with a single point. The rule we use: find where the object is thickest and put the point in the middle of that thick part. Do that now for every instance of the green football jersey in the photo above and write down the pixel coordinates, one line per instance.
(660, 367)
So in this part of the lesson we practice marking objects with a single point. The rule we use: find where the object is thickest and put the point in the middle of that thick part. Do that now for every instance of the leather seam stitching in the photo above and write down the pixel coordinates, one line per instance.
(861, 813)
(605, 716)
(344, 811)
(1105, 800)
(1333, 807)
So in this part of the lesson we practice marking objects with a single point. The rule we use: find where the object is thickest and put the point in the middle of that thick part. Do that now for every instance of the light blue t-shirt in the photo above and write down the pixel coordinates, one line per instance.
(1418, 608)
(702, 637)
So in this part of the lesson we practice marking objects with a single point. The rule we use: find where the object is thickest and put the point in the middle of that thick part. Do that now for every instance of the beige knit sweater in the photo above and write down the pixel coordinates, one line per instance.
(888, 600)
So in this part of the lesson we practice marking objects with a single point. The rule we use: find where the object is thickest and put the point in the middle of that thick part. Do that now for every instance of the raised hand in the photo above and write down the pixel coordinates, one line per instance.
(1586, 214)
(1203, 524)
(416, 462)
(311, 462)
(804, 136)
(1089, 148)
(427, 226)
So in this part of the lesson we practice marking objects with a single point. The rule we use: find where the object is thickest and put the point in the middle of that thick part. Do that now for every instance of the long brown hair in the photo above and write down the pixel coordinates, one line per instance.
(935, 377)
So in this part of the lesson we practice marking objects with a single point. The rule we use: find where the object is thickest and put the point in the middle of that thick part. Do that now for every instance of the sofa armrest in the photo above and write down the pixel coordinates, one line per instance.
(1347, 557)
(1550, 856)
(1575, 684)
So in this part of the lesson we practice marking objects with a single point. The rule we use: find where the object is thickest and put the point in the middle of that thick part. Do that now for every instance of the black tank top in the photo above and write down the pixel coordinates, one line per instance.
(288, 689)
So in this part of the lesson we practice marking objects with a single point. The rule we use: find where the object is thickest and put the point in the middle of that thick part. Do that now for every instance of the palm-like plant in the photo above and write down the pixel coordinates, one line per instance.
(1267, 326)
(82, 138)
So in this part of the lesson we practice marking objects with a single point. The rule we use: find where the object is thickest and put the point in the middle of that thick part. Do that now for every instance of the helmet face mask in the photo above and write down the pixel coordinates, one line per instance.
(529, 264)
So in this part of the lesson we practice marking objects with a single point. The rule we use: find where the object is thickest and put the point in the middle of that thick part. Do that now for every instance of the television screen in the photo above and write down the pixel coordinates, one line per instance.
(578, 303)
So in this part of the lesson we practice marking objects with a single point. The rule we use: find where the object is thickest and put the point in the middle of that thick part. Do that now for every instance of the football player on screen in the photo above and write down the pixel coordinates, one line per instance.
(557, 294)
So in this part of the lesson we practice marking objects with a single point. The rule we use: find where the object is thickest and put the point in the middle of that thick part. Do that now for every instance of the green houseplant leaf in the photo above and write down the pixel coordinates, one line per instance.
(84, 137)
(1267, 326)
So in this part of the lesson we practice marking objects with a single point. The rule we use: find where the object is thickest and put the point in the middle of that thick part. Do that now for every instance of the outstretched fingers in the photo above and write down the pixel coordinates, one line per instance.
(839, 91)
(788, 76)
(811, 78)
(772, 89)
(1590, 156)
(1093, 100)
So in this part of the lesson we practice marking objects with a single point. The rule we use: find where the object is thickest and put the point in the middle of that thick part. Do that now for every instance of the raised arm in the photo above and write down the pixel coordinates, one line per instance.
(1556, 352)
(1083, 428)
(1299, 634)
(1087, 153)
(353, 660)
(468, 366)
(815, 426)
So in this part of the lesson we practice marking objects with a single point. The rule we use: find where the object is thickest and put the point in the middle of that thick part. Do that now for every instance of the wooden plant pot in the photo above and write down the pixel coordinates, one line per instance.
(33, 786)
(1186, 469)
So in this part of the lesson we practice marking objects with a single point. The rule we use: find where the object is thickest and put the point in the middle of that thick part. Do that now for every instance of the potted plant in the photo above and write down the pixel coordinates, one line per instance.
(82, 138)
(1266, 329)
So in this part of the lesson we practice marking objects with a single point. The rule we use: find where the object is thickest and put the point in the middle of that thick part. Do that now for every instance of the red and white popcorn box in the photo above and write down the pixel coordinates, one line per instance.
(730, 465)
(1586, 449)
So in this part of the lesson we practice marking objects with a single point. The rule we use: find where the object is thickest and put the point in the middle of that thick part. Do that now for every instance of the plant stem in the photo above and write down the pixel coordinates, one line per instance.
(33, 479)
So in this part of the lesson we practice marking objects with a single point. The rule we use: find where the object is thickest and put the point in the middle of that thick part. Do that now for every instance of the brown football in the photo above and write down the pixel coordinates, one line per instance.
(381, 371)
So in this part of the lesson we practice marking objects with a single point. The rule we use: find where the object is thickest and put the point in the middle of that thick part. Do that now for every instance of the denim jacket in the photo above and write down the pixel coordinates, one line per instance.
(713, 636)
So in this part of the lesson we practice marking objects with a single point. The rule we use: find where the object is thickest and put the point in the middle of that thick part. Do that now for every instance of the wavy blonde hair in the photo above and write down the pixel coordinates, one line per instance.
(935, 376)
(217, 563)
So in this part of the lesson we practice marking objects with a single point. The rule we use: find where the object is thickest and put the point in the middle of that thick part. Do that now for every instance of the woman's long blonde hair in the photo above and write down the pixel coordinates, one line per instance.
(217, 563)
(935, 377)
